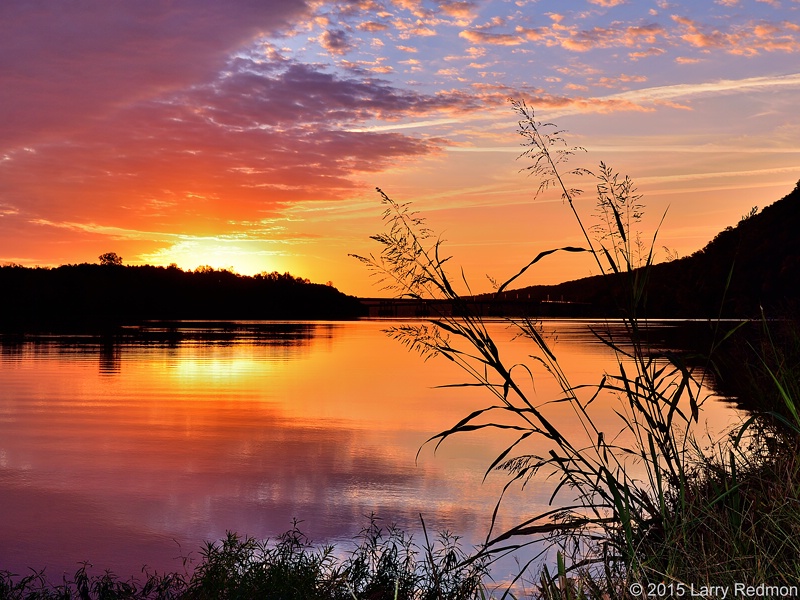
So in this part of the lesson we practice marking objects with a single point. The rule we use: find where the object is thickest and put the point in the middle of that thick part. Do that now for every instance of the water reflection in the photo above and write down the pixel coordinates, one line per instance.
(110, 356)
(136, 449)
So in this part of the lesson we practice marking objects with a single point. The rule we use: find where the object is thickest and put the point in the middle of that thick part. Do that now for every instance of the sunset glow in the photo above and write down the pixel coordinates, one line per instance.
(251, 135)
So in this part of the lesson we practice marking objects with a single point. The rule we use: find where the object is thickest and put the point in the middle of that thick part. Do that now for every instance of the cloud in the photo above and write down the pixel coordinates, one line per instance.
(649, 39)
(646, 53)
(409, 32)
(607, 3)
(256, 137)
(609, 37)
(372, 26)
(616, 81)
(336, 42)
(749, 39)
(99, 56)
(491, 39)
(722, 86)
(646, 99)
(458, 8)
(533, 34)
(571, 37)
(602, 105)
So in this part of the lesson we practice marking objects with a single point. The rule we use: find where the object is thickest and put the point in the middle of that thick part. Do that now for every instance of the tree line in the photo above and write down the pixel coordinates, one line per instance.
(111, 294)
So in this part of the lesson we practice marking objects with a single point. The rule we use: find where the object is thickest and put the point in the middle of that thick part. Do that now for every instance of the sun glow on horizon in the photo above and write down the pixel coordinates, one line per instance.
(244, 259)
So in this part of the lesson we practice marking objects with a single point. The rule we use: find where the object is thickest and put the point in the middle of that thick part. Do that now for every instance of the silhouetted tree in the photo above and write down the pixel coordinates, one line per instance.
(110, 258)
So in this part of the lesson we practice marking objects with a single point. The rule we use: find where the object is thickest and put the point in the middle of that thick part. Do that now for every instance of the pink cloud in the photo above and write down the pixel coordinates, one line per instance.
(258, 136)
(607, 3)
(491, 39)
(129, 109)
(65, 65)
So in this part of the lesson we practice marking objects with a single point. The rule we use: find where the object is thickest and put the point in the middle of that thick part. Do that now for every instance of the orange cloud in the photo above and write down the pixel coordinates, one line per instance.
(372, 26)
(646, 53)
(588, 105)
(614, 82)
(459, 8)
(257, 137)
(601, 37)
(748, 40)
(532, 34)
(417, 31)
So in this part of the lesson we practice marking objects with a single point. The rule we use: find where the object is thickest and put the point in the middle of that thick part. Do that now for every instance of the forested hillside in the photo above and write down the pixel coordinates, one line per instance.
(761, 255)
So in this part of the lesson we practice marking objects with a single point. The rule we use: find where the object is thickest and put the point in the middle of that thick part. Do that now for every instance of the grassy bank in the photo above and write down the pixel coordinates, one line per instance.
(384, 564)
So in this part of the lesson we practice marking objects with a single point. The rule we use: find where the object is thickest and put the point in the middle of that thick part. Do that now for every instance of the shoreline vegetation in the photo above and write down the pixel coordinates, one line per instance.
(383, 564)
(693, 519)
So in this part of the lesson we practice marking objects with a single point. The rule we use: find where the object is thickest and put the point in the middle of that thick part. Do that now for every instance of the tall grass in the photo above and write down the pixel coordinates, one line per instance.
(620, 496)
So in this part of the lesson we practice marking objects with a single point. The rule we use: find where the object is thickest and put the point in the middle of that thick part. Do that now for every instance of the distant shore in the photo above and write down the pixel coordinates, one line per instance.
(92, 297)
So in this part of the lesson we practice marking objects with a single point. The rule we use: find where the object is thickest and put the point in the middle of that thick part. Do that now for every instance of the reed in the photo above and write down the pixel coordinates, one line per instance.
(622, 498)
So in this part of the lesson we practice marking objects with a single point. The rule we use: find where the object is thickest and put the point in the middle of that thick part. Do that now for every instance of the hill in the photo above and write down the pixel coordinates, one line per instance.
(90, 295)
(761, 254)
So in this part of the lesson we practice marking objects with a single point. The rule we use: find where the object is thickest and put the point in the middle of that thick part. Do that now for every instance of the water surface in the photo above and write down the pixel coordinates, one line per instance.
(134, 451)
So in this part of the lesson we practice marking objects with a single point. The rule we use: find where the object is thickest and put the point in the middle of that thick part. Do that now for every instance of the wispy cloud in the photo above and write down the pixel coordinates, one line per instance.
(413, 125)
(723, 86)
(717, 174)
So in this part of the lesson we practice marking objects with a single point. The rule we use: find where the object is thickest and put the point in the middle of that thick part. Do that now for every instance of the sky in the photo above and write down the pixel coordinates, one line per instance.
(252, 134)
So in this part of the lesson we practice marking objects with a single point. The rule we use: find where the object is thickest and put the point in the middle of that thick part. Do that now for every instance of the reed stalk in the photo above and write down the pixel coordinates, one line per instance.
(614, 490)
